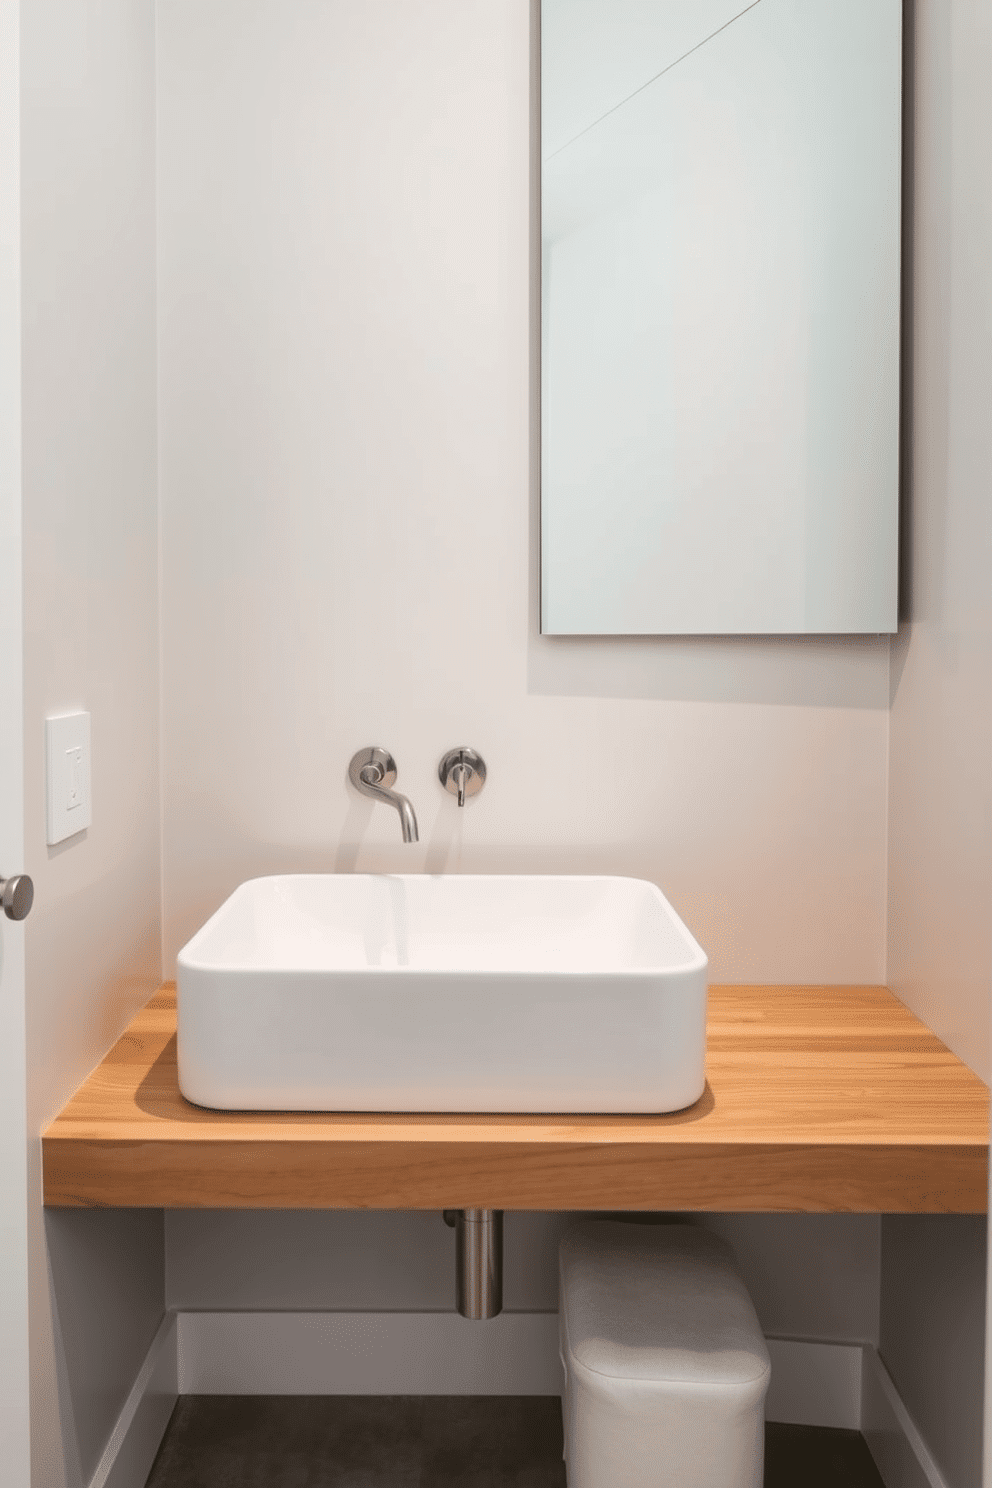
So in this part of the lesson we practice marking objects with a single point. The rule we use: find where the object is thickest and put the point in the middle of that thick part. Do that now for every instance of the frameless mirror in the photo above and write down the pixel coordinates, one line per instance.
(720, 316)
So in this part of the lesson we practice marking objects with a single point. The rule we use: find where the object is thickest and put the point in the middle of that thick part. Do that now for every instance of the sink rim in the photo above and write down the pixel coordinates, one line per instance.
(693, 961)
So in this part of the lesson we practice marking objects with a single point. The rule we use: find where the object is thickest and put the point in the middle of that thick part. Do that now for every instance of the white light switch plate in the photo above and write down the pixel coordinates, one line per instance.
(67, 763)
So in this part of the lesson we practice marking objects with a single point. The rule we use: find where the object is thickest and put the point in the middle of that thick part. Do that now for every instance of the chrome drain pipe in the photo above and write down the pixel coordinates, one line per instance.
(479, 1272)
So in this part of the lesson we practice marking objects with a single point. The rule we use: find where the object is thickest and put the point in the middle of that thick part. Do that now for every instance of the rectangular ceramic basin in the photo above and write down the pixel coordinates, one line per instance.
(361, 992)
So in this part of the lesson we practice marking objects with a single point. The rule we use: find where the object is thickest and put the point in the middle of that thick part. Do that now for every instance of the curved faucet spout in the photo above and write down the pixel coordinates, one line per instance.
(372, 772)
(408, 820)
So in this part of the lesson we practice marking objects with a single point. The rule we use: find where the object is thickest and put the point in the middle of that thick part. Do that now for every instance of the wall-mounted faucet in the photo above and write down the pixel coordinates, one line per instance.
(372, 771)
(462, 772)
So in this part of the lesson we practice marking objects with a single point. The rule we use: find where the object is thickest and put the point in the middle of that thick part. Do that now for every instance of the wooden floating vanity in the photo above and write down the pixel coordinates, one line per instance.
(817, 1099)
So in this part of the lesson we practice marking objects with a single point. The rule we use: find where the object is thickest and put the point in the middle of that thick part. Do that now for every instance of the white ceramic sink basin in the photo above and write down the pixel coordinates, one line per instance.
(360, 992)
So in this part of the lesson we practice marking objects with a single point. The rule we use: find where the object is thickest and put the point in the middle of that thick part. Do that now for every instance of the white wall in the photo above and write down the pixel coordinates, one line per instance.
(347, 241)
(932, 1332)
(940, 794)
(91, 641)
(367, 1261)
(940, 854)
(346, 470)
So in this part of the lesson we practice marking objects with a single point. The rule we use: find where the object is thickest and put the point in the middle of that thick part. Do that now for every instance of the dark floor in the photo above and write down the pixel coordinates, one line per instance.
(430, 1441)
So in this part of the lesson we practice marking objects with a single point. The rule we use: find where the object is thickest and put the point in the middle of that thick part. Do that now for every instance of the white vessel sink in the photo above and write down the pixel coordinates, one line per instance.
(361, 992)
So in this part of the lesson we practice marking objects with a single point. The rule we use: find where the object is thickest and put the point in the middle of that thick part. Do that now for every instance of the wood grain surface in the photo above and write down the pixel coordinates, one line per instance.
(817, 1099)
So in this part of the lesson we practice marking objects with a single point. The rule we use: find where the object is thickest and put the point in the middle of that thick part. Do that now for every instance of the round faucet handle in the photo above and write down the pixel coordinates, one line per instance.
(462, 772)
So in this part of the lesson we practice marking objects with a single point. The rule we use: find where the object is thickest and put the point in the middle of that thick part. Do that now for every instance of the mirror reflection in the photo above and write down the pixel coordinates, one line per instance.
(720, 316)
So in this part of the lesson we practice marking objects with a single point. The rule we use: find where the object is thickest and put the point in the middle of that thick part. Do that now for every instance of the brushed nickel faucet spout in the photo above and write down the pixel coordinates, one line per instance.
(372, 771)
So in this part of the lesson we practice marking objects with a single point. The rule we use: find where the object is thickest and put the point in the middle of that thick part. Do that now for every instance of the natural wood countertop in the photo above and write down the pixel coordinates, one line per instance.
(817, 1098)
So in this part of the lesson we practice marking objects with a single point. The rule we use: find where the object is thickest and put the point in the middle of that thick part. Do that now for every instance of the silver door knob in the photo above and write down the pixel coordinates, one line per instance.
(16, 896)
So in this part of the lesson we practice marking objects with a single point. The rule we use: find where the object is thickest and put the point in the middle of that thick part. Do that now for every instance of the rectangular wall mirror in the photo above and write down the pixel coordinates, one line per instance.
(720, 316)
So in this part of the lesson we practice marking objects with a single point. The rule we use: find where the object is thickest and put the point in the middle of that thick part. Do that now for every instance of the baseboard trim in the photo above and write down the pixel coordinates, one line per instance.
(901, 1455)
(367, 1353)
(128, 1456)
(814, 1384)
(440, 1353)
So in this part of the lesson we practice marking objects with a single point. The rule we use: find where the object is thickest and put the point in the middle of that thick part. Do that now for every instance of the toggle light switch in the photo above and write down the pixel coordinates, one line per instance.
(67, 759)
